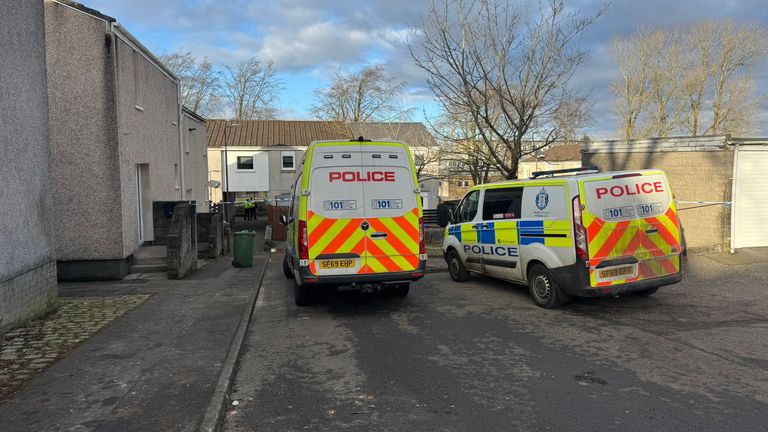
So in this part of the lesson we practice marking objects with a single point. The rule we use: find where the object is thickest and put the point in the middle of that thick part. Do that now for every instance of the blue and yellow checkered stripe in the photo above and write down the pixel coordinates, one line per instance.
(516, 232)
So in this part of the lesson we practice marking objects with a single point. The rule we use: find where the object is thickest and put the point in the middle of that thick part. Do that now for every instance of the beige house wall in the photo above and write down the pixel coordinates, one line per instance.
(195, 161)
(525, 169)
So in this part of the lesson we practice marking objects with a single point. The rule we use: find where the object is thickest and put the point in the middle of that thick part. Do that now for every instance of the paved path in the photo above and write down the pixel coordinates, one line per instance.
(155, 367)
(480, 356)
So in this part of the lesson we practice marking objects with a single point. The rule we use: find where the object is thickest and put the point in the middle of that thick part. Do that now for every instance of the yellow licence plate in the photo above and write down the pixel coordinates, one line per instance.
(334, 264)
(617, 271)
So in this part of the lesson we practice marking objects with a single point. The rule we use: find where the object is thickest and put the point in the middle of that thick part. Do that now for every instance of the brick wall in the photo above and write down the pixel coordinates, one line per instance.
(182, 242)
(703, 175)
(27, 295)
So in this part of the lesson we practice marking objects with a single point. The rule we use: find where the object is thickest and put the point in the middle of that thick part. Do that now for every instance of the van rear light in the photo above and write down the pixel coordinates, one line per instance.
(422, 246)
(303, 242)
(579, 231)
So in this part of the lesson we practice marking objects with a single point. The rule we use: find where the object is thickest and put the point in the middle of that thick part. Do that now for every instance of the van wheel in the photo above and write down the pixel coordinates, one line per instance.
(287, 268)
(456, 268)
(302, 295)
(543, 289)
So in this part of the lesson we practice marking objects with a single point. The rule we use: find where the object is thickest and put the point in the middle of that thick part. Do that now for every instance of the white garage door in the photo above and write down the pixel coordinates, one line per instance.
(751, 199)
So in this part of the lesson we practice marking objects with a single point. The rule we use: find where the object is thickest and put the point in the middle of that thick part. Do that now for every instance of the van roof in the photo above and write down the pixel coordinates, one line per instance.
(563, 178)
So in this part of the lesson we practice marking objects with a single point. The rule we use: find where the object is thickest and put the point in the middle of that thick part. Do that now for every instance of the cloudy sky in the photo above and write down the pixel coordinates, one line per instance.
(309, 40)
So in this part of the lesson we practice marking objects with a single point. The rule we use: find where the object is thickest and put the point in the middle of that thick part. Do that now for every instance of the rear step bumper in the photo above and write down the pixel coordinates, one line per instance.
(362, 279)
(574, 280)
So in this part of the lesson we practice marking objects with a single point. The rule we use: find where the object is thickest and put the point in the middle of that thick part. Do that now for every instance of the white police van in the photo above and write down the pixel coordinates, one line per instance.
(583, 234)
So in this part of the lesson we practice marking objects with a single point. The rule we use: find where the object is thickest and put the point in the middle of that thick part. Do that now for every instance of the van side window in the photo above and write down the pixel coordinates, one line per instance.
(468, 207)
(502, 203)
(294, 198)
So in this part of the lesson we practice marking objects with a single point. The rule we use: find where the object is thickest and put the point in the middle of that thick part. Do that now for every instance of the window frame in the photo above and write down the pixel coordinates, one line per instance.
(292, 154)
(460, 208)
(253, 163)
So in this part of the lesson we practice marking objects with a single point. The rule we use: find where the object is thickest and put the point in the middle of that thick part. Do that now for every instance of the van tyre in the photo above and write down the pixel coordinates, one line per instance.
(302, 295)
(543, 289)
(456, 268)
(287, 268)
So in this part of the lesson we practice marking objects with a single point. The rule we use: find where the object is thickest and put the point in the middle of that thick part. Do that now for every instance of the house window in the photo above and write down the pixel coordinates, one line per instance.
(464, 183)
(138, 94)
(245, 163)
(288, 161)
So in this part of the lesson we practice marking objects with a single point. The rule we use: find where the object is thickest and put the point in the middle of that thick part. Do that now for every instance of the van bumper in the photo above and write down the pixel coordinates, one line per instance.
(394, 278)
(574, 280)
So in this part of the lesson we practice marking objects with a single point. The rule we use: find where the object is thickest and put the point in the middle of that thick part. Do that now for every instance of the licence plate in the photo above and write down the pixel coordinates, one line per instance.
(338, 263)
(616, 272)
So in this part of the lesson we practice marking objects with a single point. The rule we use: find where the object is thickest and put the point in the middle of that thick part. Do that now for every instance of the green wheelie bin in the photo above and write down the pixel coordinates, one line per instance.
(243, 249)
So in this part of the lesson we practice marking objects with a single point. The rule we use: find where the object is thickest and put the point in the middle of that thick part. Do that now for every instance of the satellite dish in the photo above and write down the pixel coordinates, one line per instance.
(214, 183)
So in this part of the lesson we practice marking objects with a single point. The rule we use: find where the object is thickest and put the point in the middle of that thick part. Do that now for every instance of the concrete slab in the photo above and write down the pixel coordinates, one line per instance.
(741, 256)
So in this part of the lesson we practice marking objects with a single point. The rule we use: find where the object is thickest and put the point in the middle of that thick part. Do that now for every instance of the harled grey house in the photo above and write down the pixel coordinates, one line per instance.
(118, 140)
(27, 261)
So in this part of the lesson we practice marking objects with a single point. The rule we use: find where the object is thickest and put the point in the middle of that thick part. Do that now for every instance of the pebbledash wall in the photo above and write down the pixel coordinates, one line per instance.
(114, 119)
(27, 262)
(698, 169)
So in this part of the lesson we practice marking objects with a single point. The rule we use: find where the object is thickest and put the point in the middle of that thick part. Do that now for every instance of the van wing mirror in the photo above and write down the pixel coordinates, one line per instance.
(285, 219)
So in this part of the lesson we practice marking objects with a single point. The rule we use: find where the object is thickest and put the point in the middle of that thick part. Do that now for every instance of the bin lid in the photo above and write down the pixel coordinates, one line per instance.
(245, 233)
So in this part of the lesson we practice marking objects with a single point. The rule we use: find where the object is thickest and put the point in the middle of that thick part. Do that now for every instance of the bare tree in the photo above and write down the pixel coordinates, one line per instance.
(366, 96)
(511, 77)
(251, 87)
(198, 80)
(740, 48)
(696, 80)
(464, 154)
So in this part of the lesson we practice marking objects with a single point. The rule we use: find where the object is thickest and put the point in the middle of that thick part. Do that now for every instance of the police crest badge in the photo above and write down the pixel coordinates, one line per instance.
(542, 199)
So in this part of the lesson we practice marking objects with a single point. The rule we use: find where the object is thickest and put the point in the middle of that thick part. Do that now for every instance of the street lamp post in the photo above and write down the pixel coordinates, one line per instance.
(226, 160)
(225, 192)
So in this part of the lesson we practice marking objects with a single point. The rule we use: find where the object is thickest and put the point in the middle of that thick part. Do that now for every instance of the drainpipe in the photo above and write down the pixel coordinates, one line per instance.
(733, 196)
(181, 142)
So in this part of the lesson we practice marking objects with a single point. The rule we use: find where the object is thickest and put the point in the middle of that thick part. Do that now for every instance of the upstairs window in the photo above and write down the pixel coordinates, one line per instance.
(245, 163)
(288, 161)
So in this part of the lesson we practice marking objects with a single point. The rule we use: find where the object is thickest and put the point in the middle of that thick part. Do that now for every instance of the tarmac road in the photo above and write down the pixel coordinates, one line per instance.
(480, 356)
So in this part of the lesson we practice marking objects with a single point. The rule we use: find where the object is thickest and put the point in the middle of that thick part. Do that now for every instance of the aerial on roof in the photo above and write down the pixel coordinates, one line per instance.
(301, 133)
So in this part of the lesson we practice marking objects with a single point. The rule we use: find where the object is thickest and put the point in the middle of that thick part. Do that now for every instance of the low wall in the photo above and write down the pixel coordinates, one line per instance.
(698, 169)
(181, 242)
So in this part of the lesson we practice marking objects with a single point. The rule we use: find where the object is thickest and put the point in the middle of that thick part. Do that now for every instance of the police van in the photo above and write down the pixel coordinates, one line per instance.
(574, 232)
(355, 219)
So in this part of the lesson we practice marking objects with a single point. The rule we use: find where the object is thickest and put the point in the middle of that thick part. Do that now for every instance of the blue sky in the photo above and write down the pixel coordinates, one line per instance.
(310, 40)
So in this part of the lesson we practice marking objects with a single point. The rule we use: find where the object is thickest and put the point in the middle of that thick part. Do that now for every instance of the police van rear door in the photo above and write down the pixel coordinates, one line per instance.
(392, 208)
(632, 228)
(336, 210)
